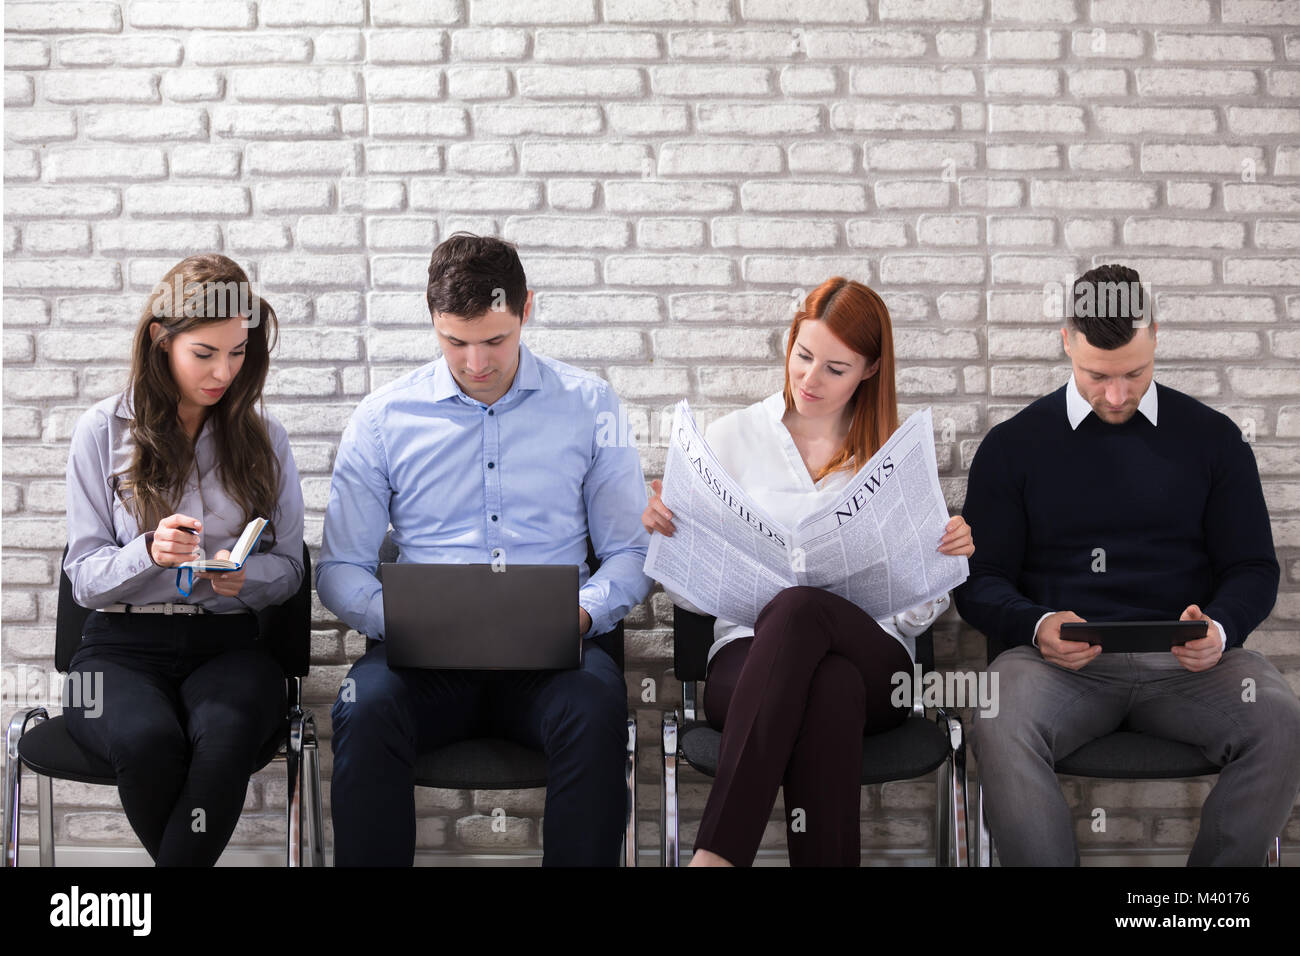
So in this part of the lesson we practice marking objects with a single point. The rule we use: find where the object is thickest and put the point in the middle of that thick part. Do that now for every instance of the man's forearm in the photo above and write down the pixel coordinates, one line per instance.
(617, 586)
(996, 609)
(1244, 599)
(352, 594)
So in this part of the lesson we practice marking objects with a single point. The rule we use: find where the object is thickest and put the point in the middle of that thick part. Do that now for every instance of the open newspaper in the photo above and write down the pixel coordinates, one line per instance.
(875, 545)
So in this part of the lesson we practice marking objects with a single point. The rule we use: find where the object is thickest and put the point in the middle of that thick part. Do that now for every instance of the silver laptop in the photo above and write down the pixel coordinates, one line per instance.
(469, 616)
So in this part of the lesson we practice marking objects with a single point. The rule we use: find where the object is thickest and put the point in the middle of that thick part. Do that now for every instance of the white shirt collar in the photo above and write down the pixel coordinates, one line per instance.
(774, 406)
(1077, 407)
(774, 410)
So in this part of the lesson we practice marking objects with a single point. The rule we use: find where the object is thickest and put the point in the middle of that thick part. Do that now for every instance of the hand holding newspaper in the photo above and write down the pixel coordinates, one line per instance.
(875, 545)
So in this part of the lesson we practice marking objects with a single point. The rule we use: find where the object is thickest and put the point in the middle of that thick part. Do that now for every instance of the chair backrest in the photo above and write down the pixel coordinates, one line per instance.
(693, 636)
(69, 622)
(285, 627)
(993, 646)
(610, 642)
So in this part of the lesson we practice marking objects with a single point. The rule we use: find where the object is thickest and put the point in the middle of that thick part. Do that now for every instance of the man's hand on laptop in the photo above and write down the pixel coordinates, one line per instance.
(584, 620)
(1204, 652)
(1072, 654)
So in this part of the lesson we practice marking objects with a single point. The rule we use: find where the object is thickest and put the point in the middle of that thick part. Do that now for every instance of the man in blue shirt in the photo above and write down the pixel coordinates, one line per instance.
(490, 453)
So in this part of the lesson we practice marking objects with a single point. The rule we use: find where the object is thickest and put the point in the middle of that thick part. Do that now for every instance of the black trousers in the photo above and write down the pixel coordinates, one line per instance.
(182, 708)
(385, 718)
(793, 703)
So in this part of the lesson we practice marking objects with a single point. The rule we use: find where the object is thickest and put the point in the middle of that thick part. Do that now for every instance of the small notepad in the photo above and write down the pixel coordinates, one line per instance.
(238, 554)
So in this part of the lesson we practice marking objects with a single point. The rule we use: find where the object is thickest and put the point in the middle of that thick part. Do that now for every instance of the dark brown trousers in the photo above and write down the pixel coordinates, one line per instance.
(793, 703)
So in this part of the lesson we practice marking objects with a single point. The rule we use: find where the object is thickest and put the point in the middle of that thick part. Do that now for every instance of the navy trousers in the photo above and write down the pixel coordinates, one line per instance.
(184, 707)
(385, 718)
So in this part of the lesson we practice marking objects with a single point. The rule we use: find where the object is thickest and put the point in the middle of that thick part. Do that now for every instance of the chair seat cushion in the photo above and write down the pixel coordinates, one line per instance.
(1126, 755)
(482, 764)
(47, 748)
(910, 750)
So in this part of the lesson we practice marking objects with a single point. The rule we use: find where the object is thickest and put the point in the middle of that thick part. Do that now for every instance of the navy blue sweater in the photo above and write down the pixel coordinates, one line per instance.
(1176, 509)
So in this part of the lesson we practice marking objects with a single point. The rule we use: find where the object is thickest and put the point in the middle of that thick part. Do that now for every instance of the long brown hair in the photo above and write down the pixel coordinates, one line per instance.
(198, 291)
(857, 317)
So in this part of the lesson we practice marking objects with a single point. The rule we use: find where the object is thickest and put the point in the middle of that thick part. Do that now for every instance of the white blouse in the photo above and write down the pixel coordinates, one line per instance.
(757, 450)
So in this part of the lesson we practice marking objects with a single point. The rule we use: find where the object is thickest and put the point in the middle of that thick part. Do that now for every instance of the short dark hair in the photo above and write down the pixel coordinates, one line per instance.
(1108, 305)
(469, 275)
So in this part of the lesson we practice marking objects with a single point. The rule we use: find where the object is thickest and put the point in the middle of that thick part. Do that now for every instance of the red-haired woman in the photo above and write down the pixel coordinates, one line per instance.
(794, 695)
(185, 695)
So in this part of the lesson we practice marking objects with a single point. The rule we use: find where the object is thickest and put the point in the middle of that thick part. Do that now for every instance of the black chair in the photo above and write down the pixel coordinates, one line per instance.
(911, 750)
(493, 763)
(43, 745)
(1121, 755)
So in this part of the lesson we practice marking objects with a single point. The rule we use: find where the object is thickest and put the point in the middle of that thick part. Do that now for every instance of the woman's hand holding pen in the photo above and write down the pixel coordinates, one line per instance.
(656, 516)
(175, 540)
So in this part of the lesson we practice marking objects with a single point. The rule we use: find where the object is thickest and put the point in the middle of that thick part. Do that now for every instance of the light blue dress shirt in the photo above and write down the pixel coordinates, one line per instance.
(525, 480)
(107, 562)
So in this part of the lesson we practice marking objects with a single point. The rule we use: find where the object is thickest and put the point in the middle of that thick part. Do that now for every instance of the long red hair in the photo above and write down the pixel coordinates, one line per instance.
(857, 317)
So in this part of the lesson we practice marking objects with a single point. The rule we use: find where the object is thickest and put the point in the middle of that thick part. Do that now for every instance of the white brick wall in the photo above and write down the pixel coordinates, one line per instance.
(674, 171)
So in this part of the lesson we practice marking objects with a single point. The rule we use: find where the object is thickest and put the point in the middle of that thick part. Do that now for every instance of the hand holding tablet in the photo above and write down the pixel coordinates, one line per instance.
(1134, 637)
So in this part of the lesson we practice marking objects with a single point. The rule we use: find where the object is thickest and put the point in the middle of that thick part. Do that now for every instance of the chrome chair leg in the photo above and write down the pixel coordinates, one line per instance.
(14, 781)
(13, 789)
(669, 852)
(311, 790)
(949, 811)
(942, 825)
(293, 797)
(983, 843)
(959, 809)
(1275, 852)
(629, 771)
(45, 811)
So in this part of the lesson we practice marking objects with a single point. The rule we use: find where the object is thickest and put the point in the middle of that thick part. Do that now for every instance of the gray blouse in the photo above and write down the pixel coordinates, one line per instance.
(107, 561)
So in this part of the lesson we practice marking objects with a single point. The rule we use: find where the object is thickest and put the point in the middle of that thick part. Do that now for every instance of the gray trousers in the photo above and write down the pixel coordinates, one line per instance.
(1046, 712)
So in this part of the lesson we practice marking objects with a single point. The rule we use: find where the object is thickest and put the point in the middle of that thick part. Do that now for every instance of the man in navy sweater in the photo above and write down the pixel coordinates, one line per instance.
(1115, 498)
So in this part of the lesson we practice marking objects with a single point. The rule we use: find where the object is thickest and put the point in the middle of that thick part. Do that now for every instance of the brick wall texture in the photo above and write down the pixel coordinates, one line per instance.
(675, 173)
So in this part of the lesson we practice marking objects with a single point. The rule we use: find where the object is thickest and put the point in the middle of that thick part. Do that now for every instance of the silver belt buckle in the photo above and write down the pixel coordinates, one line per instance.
(168, 609)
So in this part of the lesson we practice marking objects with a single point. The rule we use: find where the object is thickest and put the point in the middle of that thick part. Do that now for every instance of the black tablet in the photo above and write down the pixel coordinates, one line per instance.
(1133, 637)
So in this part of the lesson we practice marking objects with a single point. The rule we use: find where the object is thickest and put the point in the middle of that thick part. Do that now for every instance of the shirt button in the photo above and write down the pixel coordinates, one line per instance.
(491, 412)
(494, 517)
(491, 464)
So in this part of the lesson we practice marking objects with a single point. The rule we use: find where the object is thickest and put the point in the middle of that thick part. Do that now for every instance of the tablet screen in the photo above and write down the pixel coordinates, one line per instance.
(1134, 637)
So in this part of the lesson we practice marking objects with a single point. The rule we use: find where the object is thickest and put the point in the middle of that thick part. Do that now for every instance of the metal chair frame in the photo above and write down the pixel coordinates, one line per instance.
(299, 751)
(1176, 761)
(951, 822)
(516, 754)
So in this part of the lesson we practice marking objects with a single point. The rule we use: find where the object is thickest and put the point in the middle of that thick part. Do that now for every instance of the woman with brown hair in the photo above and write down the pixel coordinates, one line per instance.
(794, 695)
(185, 696)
